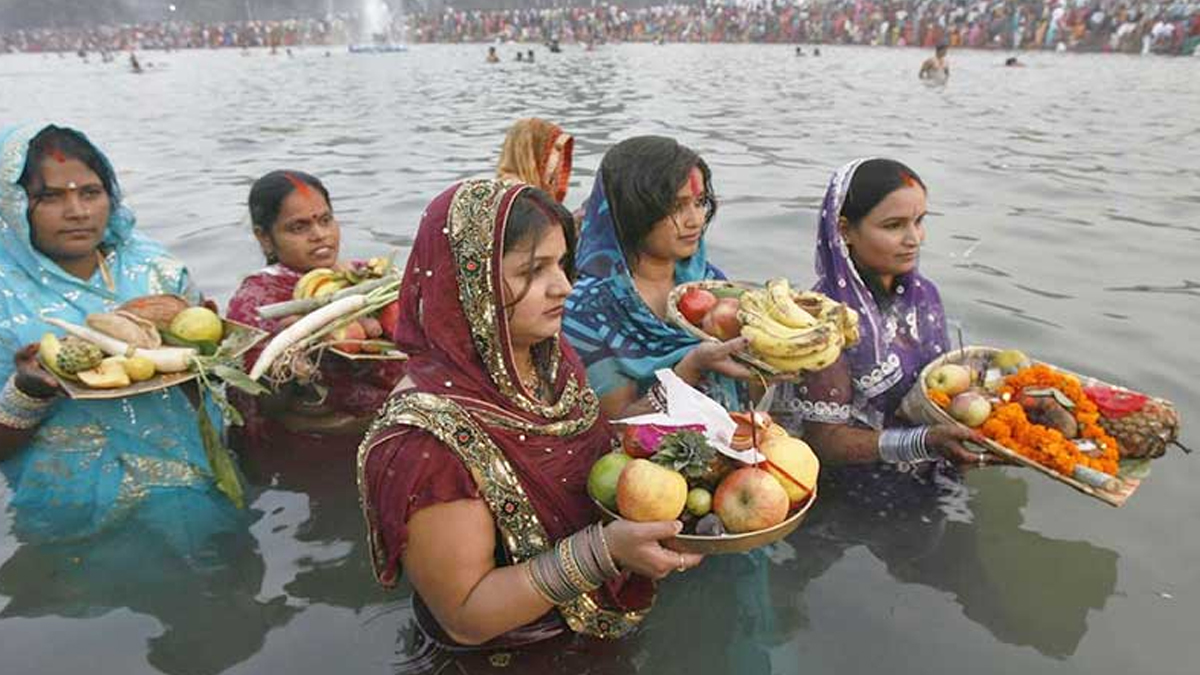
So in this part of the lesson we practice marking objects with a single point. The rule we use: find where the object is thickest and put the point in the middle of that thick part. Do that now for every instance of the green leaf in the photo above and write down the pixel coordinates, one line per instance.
(1135, 469)
(220, 461)
(239, 379)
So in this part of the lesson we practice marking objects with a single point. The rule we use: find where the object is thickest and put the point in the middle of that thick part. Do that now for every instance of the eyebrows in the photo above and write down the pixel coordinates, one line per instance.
(72, 185)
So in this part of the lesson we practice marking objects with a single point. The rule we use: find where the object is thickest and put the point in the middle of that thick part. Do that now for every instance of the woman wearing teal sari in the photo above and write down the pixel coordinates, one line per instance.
(643, 234)
(68, 247)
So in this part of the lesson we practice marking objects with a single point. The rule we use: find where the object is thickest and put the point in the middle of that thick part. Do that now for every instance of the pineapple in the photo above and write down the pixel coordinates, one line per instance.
(1145, 433)
(689, 453)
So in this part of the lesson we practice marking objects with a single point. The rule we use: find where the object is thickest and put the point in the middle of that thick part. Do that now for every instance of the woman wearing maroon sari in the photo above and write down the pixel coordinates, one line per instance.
(473, 477)
(294, 224)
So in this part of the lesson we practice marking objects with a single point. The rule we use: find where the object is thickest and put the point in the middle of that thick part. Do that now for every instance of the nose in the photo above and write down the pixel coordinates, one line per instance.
(73, 207)
(560, 285)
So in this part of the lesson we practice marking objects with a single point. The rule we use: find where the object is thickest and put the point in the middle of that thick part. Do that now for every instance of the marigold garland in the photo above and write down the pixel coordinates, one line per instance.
(1009, 426)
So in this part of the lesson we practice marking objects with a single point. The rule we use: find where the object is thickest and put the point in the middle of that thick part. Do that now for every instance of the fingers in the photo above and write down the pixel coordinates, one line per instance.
(28, 352)
(656, 531)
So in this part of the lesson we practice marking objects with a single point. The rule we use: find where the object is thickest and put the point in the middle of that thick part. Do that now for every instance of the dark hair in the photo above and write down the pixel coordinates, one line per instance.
(63, 143)
(641, 178)
(873, 181)
(532, 213)
(267, 195)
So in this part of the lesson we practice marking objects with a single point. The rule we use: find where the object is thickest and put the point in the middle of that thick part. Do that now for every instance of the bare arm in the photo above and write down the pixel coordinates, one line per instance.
(450, 563)
(32, 380)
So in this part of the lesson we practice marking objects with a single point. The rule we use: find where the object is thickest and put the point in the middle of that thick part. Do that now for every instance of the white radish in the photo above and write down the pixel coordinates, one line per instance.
(311, 323)
(165, 359)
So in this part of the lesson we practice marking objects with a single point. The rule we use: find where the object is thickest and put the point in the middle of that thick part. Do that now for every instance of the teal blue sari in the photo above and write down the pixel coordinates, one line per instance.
(92, 464)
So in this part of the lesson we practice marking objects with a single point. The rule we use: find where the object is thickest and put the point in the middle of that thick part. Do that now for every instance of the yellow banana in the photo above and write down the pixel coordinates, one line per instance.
(769, 345)
(783, 307)
(306, 283)
(812, 362)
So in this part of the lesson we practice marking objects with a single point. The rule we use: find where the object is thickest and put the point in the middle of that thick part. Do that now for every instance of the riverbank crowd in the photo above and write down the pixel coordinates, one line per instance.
(1168, 27)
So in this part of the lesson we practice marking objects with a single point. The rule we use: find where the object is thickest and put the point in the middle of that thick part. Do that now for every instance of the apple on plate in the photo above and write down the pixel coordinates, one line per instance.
(649, 492)
(750, 499)
(971, 408)
(1010, 361)
(695, 304)
(722, 322)
(951, 379)
(602, 479)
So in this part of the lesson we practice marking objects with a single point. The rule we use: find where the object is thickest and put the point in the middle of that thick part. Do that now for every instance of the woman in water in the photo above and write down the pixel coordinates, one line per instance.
(473, 477)
(871, 229)
(643, 234)
(537, 153)
(76, 467)
(294, 224)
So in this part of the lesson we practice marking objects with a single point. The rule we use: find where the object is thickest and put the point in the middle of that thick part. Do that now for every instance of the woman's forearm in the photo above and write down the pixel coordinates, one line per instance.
(502, 601)
(12, 440)
(842, 443)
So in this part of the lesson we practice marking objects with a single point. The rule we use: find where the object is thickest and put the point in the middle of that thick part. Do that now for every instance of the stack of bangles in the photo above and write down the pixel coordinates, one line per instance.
(904, 446)
(19, 410)
(578, 564)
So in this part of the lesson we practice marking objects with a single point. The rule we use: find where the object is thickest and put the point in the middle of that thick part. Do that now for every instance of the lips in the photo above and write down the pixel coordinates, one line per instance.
(557, 311)
(322, 252)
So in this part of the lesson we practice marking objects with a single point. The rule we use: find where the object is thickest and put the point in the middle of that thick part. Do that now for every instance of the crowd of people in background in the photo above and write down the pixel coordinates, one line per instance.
(1128, 26)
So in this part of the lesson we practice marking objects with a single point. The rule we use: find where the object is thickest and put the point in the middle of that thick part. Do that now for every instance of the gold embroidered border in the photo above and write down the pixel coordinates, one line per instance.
(523, 534)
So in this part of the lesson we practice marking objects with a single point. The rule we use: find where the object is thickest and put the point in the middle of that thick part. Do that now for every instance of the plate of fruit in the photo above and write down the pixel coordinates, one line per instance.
(664, 472)
(789, 331)
(368, 337)
(147, 344)
(1094, 436)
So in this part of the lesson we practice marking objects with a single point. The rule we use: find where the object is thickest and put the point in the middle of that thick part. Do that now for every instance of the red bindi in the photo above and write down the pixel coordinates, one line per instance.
(301, 186)
(696, 182)
(58, 155)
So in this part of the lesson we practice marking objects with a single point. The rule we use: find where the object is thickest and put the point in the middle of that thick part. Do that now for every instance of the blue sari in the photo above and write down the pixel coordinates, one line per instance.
(92, 464)
(620, 340)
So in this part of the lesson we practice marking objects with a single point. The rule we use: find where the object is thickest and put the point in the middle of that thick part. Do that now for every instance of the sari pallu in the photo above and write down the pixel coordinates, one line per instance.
(464, 427)
(616, 334)
(91, 463)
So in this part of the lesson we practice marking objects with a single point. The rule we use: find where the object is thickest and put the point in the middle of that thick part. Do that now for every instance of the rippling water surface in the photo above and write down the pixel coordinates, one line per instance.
(1065, 219)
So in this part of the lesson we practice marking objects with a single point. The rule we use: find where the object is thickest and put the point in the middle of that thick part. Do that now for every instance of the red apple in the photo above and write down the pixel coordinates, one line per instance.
(750, 499)
(389, 319)
(722, 322)
(971, 408)
(696, 303)
(951, 379)
(648, 492)
(351, 331)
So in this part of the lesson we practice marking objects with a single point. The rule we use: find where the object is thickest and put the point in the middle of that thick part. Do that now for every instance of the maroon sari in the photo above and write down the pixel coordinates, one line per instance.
(466, 428)
(354, 388)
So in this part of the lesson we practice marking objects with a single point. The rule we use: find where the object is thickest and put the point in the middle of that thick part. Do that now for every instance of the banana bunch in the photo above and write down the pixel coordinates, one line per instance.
(794, 332)
(318, 282)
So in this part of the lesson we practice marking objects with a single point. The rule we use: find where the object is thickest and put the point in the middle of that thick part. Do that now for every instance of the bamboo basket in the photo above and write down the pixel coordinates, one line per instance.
(917, 407)
(675, 317)
(390, 353)
(239, 336)
(730, 543)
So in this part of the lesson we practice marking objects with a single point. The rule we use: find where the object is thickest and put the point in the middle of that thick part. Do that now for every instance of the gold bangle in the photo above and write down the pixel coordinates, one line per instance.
(566, 556)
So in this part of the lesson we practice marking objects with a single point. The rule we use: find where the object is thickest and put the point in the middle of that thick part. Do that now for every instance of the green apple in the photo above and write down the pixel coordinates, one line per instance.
(1010, 361)
(602, 479)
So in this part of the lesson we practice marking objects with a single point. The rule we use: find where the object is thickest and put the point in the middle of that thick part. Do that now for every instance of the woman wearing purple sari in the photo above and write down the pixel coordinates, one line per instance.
(870, 235)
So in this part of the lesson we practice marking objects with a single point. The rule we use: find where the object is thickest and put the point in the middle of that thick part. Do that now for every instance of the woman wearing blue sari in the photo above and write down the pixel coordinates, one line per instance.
(68, 247)
(643, 234)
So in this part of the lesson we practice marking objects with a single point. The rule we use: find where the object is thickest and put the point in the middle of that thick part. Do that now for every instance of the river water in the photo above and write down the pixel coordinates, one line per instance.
(1065, 220)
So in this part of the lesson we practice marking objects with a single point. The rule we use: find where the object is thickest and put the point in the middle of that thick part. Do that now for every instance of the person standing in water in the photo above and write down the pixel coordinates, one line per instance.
(936, 68)
(492, 57)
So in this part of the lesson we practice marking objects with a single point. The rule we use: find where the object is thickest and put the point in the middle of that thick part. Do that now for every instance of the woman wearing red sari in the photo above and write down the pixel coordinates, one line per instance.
(473, 477)
(294, 224)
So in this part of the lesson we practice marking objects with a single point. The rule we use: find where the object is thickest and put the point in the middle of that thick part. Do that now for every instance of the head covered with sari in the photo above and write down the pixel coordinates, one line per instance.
(90, 462)
(616, 333)
(899, 334)
(538, 153)
(528, 458)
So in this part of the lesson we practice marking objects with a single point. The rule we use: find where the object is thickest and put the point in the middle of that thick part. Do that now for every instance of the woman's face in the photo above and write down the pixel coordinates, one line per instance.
(69, 214)
(678, 235)
(535, 271)
(888, 239)
(305, 235)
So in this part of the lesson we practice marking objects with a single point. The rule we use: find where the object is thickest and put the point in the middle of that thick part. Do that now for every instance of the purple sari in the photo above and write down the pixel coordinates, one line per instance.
(900, 335)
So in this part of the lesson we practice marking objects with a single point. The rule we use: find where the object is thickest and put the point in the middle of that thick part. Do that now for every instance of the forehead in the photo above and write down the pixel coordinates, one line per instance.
(302, 204)
(907, 202)
(693, 186)
(56, 174)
